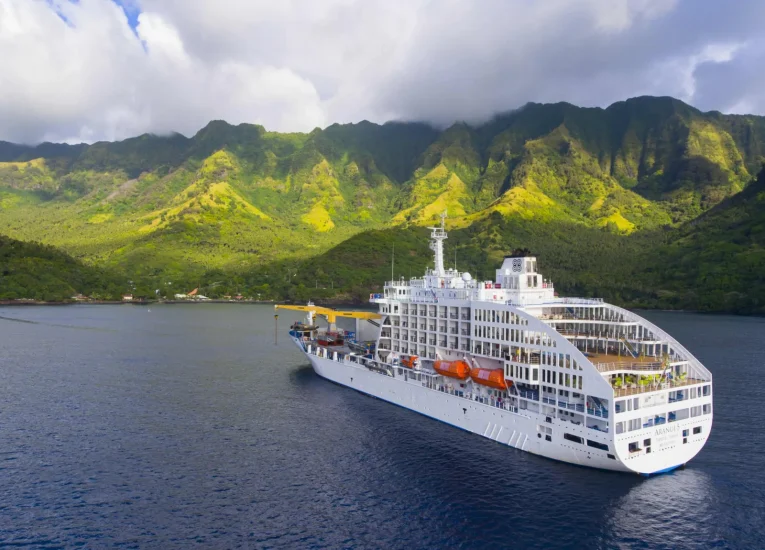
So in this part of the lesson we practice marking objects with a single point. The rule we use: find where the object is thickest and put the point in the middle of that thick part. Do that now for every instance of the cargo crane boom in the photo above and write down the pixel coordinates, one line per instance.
(329, 314)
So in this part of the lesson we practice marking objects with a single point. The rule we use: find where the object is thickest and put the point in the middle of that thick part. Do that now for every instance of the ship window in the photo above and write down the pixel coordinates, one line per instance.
(707, 390)
(685, 433)
(548, 438)
(574, 438)
(647, 442)
(612, 457)
(596, 445)
(697, 430)
(633, 448)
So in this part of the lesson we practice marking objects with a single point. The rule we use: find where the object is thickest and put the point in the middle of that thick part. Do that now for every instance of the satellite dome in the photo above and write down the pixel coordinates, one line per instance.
(467, 277)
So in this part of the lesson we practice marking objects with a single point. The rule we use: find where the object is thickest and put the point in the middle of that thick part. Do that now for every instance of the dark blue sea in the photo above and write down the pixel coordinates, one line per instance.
(187, 427)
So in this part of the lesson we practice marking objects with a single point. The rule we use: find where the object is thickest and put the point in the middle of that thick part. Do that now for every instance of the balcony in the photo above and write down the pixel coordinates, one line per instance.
(602, 413)
(528, 394)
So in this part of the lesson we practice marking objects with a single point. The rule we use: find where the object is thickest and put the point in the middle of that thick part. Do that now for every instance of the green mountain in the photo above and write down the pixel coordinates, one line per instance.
(244, 207)
(39, 272)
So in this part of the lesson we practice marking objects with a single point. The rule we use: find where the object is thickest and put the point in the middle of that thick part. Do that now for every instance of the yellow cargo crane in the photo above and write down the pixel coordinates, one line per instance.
(329, 314)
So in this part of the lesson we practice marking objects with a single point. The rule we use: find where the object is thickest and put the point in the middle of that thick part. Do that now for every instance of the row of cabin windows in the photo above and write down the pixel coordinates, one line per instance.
(513, 335)
(560, 360)
(662, 418)
(515, 371)
(498, 316)
(633, 404)
(442, 312)
(562, 379)
(590, 442)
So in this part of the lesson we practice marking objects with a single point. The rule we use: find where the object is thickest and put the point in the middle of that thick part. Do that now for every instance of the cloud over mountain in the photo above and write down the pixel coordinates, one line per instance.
(102, 69)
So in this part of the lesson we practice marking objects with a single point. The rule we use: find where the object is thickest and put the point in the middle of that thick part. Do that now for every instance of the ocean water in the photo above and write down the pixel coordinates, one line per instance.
(187, 426)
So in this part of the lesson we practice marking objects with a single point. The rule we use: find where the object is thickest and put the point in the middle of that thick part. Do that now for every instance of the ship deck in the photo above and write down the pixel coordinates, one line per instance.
(617, 360)
(626, 392)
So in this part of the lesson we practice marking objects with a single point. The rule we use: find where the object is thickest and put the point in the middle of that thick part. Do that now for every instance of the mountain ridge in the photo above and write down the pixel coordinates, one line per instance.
(232, 196)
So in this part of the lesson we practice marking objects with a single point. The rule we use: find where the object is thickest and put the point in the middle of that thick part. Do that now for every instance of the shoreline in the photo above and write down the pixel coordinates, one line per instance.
(32, 303)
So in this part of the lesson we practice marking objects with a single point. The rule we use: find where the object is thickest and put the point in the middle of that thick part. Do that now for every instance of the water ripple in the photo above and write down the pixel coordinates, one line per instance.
(189, 428)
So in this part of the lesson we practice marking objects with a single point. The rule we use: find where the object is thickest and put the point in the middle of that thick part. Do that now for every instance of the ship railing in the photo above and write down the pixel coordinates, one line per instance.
(578, 407)
(635, 389)
(527, 394)
(628, 365)
(602, 413)
(598, 429)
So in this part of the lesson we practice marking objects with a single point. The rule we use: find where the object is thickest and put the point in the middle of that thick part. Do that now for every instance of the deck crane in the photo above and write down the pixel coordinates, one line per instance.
(329, 314)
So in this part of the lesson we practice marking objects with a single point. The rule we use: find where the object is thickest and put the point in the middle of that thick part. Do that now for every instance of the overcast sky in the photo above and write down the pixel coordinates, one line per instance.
(107, 69)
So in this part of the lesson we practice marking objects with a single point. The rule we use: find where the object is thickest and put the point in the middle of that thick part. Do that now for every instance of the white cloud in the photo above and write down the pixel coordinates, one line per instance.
(297, 64)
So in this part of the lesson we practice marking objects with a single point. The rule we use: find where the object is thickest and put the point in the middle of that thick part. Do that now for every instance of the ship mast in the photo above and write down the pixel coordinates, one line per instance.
(437, 237)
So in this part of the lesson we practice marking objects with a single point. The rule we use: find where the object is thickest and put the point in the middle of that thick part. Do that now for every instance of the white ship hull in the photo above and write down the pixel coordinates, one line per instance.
(516, 430)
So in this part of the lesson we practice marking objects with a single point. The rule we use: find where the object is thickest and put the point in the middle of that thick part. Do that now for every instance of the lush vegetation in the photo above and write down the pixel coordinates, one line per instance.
(638, 203)
(38, 272)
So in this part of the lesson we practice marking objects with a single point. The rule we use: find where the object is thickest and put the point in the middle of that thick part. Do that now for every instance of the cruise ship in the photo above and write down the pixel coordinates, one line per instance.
(576, 380)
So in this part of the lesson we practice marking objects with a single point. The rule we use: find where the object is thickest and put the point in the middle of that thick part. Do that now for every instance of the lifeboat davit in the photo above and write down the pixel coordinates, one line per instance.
(453, 369)
(493, 378)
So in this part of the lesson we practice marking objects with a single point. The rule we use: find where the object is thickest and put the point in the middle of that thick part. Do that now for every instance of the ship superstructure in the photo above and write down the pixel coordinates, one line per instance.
(573, 379)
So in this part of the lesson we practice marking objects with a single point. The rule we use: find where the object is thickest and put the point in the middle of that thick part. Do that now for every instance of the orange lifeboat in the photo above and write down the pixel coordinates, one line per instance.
(453, 369)
(493, 378)
(409, 361)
